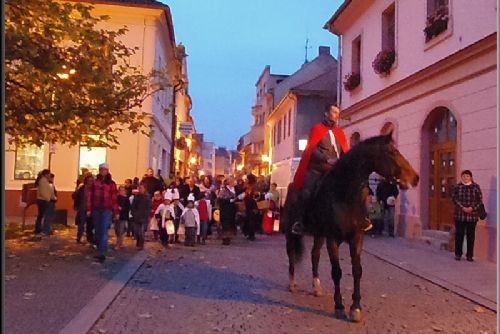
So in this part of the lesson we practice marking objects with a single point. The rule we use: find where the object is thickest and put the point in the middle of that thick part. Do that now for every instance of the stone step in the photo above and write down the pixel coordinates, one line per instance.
(437, 243)
(442, 235)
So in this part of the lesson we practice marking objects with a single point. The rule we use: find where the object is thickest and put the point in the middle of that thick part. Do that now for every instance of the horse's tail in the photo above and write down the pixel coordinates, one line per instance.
(294, 242)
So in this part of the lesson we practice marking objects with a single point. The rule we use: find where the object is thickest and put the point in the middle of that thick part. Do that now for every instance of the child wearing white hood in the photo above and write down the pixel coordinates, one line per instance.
(191, 220)
(165, 214)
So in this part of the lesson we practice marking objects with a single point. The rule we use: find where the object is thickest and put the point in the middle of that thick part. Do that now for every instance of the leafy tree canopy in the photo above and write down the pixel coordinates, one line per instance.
(67, 81)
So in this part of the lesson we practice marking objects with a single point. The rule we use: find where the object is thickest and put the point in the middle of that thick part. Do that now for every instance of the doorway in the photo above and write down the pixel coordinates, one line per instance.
(441, 130)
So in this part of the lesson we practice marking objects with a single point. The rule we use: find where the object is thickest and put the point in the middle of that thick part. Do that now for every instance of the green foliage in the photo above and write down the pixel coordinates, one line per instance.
(67, 79)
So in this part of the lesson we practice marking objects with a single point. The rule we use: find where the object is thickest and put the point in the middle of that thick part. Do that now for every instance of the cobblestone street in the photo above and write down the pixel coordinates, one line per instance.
(243, 289)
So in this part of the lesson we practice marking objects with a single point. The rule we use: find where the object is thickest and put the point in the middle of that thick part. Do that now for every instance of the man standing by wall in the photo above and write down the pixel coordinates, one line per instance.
(387, 193)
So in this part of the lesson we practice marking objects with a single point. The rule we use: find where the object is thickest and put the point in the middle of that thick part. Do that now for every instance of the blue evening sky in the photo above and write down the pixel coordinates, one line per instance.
(229, 42)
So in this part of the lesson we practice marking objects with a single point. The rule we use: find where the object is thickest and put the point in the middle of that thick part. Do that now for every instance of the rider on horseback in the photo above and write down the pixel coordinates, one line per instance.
(326, 144)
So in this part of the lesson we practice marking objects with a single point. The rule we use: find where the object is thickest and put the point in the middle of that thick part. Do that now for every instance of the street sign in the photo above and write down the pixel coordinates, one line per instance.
(186, 128)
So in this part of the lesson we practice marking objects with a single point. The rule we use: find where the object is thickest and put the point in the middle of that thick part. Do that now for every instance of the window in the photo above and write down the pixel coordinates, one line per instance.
(284, 127)
(29, 161)
(279, 132)
(91, 158)
(437, 18)
(389, 28)
(289, 121)
(356, 55)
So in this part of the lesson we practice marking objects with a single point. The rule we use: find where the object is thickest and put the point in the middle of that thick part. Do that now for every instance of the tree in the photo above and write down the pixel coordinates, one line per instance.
(68, 81)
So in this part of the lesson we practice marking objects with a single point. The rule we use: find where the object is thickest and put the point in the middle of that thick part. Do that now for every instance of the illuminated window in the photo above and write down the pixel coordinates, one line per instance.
(91, 158)
(29, 161)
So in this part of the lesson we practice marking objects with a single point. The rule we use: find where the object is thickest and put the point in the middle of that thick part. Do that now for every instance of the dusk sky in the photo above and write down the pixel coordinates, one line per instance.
(230, 42)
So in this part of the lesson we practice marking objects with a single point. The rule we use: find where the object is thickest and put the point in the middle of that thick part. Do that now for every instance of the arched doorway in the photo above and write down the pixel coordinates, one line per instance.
(439, 163)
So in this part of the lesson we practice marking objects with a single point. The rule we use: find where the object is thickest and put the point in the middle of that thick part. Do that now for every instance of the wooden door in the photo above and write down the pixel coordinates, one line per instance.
(442, 129)
(442, 179)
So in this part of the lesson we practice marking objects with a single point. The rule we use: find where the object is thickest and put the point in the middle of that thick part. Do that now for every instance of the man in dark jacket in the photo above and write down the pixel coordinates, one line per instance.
(189, 188)
(151, 183)
(387, 193)
(141, 208)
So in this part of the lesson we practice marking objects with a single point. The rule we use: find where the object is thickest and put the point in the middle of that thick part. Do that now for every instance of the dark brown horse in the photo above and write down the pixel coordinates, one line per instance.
(337, 210)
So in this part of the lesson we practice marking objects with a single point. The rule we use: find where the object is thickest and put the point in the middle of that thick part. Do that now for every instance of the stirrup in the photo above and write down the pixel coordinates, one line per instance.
(297, 228)
(368, 225)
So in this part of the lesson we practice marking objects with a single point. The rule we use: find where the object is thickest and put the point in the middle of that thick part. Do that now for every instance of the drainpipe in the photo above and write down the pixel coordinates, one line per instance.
(174, 128)
(339, 69)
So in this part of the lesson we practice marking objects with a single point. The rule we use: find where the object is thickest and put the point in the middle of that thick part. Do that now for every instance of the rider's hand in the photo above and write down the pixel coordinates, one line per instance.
(331, 161)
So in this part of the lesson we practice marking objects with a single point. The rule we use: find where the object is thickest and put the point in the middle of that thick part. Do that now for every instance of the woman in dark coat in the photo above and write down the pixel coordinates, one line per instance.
(226, 199)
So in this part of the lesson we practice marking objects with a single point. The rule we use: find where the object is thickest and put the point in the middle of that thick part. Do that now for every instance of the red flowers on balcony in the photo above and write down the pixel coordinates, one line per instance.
(382, 63)
(436, 23)
(352, 80)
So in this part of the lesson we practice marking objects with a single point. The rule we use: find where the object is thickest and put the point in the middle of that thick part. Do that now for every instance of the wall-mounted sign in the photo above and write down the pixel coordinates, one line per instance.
(186, 128)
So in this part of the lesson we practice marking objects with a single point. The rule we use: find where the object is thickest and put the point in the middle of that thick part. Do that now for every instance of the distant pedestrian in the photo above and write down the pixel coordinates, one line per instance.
(151, 183)
(190, 218)
(102, 205)
(83, 221)
(123, 220)
(387, 193)
(44, 195)
(467, 197)
(141, 208)
(153, 228)
(205, 211)
(128, 187)
(226, 199)
(178, 209)
(165, 216)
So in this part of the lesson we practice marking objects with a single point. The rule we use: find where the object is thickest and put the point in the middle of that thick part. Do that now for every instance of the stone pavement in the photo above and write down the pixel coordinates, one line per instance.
(476, 280)
(48, 282)
(242, 288)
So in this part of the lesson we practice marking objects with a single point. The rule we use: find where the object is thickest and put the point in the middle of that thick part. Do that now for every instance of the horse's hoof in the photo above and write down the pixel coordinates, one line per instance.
(355, 315)
(340, 314)
(318, 291)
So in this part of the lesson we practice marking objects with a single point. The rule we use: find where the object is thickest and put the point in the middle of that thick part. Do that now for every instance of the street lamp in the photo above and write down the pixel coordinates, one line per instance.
(302, 144)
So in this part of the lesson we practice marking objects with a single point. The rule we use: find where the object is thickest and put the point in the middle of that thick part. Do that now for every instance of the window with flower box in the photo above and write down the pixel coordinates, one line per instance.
(437, 18)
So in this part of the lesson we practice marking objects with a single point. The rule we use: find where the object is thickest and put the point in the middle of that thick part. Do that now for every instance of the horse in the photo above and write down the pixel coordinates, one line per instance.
(337, 210)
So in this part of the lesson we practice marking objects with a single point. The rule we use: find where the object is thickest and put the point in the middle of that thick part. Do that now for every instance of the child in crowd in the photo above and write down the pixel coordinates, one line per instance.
(80, 205)
(153, 224)
(141, 208)
(178, 209)
(190, 218)
(165, 215)
(204, 209)
(122, 223)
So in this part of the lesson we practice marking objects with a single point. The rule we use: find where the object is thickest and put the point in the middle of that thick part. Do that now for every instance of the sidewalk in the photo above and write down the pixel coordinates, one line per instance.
(476, 281)
(47, 283)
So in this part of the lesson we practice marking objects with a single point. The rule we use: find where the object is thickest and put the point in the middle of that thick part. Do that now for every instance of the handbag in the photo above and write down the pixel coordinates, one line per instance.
(481, 211)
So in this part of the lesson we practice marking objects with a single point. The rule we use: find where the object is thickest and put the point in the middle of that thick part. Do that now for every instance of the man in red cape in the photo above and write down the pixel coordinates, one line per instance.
(326, 144)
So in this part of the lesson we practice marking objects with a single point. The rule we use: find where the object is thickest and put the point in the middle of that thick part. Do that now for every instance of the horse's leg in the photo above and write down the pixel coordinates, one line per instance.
(333, 253)
(315, 255)
(291, 263)
(355, 248)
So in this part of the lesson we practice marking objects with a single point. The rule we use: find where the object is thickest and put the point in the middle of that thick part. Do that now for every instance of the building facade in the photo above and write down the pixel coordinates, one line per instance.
(427, 71)
(300, 101)
(150, 29)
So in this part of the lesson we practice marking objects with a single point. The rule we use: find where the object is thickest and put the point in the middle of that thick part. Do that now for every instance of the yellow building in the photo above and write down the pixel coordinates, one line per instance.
(150, 29)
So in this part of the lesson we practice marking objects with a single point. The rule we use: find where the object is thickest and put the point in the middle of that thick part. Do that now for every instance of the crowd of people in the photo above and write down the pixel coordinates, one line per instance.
(154, 209)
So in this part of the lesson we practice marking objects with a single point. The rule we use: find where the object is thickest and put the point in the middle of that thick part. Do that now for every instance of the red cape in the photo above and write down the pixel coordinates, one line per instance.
(317, 132)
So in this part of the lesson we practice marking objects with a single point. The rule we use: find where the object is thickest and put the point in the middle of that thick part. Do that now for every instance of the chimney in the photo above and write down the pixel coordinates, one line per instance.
(324, 50)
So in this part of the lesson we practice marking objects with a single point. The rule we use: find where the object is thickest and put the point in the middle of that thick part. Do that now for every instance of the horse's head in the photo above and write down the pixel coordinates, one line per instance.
(390, 163)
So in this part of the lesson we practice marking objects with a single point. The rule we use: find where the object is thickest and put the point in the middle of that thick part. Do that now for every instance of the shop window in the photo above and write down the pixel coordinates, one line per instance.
(91, 158)
(29, 161)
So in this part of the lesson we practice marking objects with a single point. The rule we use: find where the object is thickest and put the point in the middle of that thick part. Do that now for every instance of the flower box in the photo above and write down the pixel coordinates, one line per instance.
(383, 62)
(352, 80)
(436, 23)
